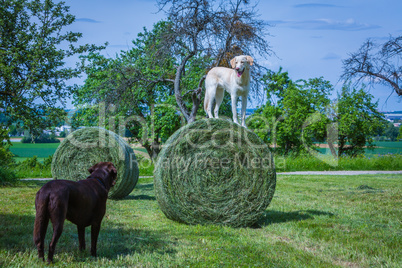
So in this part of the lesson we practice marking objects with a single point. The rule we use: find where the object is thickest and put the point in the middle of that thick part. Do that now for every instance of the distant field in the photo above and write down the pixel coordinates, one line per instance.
(382, 147)
(387, 147)
(43, 150)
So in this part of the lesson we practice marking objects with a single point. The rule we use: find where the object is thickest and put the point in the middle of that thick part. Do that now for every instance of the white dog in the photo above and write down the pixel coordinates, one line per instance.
(236, 81)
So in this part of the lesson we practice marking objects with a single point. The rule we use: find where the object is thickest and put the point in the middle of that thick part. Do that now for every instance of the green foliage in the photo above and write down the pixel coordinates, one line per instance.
(297, 118)
(34, 47)
(132, 92)
(32, 168)
(359, 120)
(43, 138)
(400, 133)
(145, 165)
(7, 175)
(391, 132)
(360, 162)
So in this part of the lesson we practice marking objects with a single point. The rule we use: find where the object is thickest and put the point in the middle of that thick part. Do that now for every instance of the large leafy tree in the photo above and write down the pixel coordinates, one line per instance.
(131, 94)
(34, 46)
(295, 113)
(359, 121)
(209, 29)
(376, 64)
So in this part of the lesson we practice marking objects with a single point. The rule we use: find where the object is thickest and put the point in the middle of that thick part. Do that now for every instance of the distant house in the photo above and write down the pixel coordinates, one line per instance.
(393, 116)
(58, 130)
(64, 128)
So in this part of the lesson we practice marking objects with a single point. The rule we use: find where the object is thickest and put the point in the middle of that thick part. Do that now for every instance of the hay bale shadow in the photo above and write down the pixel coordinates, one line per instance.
(273, 217)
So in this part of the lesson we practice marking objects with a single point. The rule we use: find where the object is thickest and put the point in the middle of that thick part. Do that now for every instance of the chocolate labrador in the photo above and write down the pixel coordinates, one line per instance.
(82, 202)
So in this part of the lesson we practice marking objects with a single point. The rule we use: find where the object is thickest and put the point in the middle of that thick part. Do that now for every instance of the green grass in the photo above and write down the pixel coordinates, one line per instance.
(310, 163)
(313, 221)
(25, 150)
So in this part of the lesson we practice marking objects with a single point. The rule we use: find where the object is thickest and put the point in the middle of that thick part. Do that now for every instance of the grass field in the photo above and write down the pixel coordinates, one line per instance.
(43, 150)
(313, 221)
(25, 150)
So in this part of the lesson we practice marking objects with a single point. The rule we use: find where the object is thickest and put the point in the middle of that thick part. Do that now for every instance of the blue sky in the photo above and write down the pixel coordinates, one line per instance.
(310, 38)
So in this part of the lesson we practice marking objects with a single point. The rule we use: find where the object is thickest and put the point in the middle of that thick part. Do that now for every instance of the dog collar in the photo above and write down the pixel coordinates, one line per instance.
(101, 182)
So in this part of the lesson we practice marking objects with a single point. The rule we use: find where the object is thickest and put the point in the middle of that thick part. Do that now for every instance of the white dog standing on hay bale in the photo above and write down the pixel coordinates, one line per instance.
(236, 81)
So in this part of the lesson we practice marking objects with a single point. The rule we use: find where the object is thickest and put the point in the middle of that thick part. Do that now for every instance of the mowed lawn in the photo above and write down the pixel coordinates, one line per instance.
(313, 221)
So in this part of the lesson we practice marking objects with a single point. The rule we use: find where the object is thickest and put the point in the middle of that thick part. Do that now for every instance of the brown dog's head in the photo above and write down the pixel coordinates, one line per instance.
(105, 171)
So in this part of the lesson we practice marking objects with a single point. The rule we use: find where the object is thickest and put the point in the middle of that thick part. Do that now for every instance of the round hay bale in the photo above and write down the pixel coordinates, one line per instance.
(213, 171)
(87, 146)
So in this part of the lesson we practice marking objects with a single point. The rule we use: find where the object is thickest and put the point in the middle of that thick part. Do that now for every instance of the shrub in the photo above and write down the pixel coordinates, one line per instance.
(7, 176)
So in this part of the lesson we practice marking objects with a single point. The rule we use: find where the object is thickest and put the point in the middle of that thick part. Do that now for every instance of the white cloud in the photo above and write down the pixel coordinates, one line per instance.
(87, 20)
(325, 24)
(331, 56)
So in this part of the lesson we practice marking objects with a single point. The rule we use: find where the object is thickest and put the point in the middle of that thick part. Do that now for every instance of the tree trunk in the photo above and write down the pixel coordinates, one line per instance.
(177, 89)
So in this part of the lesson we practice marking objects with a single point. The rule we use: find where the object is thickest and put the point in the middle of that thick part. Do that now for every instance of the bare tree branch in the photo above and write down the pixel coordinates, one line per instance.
(376, 64)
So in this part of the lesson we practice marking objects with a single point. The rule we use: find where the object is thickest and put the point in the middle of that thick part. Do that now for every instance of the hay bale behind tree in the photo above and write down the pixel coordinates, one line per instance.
(85, 147)
(214, 172)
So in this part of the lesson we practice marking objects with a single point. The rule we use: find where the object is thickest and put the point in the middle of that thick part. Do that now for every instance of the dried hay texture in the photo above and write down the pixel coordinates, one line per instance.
(87, 146)
(213, 171)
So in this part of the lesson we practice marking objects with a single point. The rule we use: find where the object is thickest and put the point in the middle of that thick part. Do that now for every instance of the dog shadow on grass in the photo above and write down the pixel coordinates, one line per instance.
(115, 240)
(119, 241)
(273, 216)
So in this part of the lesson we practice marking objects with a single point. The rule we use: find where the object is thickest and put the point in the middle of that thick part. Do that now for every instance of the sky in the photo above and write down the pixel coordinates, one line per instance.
(310, 38)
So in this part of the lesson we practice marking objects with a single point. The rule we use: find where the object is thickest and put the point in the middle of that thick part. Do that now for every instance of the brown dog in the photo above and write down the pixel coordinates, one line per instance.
(82, 202)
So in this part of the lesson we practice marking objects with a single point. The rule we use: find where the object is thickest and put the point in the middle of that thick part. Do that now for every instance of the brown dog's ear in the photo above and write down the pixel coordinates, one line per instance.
(250, 60)
(233, 62)
(91, 169)
(113, 170)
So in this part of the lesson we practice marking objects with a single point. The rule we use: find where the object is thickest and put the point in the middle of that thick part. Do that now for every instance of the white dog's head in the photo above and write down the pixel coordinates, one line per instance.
(241, 63)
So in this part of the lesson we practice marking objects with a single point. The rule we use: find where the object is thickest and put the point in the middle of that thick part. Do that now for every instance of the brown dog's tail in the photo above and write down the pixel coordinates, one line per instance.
(41, 218)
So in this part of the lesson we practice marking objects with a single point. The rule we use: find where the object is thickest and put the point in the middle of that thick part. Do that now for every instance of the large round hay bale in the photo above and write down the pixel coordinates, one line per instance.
(87, 146)
(213, 171)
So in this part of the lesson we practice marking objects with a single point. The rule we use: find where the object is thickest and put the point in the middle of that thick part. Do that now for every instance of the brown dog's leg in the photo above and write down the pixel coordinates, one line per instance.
(95, 228)
(40, 227)
(57, 216)
(81, 236)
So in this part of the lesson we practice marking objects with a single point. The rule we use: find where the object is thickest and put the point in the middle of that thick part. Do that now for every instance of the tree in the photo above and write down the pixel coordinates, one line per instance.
(358, 120)
(391, 131)
(132, 92)
(209, 29)
(376, 64)
(34, 46)
(294, 115)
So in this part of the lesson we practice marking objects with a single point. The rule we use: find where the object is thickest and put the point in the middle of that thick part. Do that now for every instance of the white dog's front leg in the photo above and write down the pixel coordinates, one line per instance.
(243, 111)
(234, 108)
